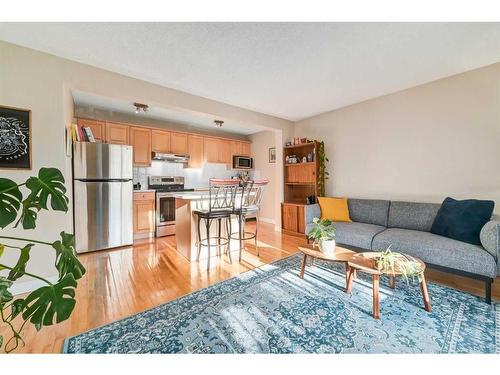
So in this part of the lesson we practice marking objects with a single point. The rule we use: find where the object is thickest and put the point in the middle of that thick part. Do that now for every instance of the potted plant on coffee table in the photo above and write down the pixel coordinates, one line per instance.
(323, 235)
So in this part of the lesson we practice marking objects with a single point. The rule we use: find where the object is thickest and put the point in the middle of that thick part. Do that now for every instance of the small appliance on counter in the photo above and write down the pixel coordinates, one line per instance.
(165, 187)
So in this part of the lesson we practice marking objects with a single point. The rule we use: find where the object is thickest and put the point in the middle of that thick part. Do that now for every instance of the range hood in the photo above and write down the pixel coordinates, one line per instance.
(172, 158)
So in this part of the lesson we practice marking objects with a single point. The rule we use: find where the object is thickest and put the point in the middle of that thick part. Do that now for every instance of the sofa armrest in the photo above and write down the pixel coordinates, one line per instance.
(490, 238)
(311, 211)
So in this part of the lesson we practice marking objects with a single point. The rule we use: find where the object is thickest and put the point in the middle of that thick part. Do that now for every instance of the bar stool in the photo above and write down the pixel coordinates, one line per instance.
(252, 194)
(221, 197)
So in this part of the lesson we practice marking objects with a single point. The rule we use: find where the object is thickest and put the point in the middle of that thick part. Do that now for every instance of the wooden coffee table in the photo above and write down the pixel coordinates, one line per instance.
(365, 262)
(340, 255)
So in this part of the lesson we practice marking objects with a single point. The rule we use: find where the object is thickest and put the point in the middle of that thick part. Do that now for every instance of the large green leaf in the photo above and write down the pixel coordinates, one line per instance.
(48, 184)
(18, 270)
(10, 201)
(5, 295)
(51, 304)
(66, 260)
(29, 212)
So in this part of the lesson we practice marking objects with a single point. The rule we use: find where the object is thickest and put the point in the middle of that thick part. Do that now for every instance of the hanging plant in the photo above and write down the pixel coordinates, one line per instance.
(323, 174)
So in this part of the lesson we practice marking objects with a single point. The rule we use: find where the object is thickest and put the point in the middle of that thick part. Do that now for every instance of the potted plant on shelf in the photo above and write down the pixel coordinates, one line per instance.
(396, 263)
(323, 235)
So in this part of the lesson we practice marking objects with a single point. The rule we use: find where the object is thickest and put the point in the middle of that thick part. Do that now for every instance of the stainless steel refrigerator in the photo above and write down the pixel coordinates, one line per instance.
(102, 196)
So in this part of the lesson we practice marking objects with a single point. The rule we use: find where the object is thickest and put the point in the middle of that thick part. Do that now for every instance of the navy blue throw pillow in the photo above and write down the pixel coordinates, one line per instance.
(462, 220)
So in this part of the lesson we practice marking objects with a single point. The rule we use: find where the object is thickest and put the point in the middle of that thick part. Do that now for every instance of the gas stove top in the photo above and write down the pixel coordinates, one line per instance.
(167, 184)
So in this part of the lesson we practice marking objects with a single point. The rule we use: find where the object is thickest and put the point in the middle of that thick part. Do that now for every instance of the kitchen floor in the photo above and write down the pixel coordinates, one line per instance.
(126, 281)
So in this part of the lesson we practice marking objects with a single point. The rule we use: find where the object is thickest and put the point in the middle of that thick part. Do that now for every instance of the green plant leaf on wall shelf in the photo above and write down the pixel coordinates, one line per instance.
(49, 304)
(29, 213)
(10, 201)
(48, 184)
(66, 260)
(18, 270)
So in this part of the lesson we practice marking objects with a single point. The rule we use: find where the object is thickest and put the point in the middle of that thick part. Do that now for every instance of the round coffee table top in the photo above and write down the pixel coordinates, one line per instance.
(366, 262)
(340, 255)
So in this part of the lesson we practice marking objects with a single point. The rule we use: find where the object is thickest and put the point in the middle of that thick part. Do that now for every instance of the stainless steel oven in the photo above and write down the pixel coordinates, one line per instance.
(165, 187)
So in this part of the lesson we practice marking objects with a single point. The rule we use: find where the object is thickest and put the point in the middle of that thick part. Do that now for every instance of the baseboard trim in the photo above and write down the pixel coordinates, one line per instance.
(267, 220)
(30, 285)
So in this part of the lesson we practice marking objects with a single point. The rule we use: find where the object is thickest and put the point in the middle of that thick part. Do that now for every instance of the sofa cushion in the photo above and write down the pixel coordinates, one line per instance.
(438, 250)
(334, 209)
(356, 234)
(369, 211)
(412, 215)
(463, 219)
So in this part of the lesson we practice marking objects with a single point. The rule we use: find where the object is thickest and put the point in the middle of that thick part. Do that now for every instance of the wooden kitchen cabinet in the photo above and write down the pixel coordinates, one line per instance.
(236, 148)
(160, 141)
(117, 133)
(195, 148)
(246, 149)
(293, 218)
(144, 213)
(97, 127)
(178, 143)
(140, 138)
(211, 149)
(225, 155)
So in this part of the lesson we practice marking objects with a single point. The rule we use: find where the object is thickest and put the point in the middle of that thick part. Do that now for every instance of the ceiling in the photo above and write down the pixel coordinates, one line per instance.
(196, 120)
(289, 70)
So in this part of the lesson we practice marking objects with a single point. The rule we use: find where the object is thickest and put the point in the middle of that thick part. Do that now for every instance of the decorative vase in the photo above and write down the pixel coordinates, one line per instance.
(327, 247)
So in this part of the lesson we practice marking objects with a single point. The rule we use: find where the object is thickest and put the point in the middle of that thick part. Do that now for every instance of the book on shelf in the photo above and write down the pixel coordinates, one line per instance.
(89, 134)
(81, 134)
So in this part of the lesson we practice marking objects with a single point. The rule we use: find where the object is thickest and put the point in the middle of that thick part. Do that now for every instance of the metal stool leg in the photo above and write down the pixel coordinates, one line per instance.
(228, 232)
(219, 224)
(256, 231)
(241, 231)
(199, 240)
(207, 223)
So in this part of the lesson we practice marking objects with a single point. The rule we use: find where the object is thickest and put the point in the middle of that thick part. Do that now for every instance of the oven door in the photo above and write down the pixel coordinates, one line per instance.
(165, 214)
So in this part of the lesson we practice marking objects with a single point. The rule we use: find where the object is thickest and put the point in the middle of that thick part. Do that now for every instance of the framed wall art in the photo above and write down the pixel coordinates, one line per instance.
(272, 155)
(15, 138)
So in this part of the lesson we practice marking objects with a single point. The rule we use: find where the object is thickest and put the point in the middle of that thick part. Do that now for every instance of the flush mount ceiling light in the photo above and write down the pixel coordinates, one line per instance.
(218, 123)
(140, 107)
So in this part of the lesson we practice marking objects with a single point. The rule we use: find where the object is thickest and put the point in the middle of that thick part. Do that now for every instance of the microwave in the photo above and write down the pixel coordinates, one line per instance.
(242, 162)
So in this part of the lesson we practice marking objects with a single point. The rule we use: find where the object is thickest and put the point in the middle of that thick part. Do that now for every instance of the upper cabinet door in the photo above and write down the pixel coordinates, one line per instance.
(141, 141)
(246, 148)
(97, 127)
(211, 150)
(178, 143)
(236, 148)
(225, 152)
(160, 141)
(195, 143)
(117, 133)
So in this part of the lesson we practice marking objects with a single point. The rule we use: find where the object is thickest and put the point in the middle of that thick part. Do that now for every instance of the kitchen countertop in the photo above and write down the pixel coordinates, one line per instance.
(145, 191)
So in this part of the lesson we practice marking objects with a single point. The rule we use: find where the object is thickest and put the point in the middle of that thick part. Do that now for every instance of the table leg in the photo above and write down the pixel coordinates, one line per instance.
(376, 312)
(303, 267)
(425, 293)
(350, 277)
(392, 282)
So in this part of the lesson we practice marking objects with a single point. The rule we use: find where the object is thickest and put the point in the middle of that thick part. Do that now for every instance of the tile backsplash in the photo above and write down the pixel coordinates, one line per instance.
(194, 178)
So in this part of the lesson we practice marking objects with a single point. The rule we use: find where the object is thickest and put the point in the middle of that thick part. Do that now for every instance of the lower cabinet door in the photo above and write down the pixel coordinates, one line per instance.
(289, 217)
(144, 216)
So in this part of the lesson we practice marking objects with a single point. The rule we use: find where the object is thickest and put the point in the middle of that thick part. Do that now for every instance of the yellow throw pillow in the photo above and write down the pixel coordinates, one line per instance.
(334, 209)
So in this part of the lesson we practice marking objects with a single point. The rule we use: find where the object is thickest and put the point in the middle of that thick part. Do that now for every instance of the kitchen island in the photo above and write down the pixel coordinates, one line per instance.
(186, 226)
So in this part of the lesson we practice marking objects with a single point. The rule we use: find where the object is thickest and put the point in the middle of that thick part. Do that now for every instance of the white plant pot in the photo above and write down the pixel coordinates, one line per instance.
(327, 247)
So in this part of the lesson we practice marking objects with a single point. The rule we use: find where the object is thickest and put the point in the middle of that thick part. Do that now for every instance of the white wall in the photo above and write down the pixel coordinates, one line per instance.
(261, 142)
(422, 144)
(43, 83)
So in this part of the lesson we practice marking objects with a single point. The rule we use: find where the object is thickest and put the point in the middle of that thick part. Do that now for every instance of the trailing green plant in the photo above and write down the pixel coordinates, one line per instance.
(323, 174)
(323, 229)
(391, 262)
(54, 301)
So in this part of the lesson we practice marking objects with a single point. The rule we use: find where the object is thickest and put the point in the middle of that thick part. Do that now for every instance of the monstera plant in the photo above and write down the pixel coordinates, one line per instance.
(53, 302)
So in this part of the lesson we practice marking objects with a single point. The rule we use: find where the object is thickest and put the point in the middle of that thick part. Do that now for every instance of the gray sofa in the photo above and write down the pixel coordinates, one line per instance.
(405, 226)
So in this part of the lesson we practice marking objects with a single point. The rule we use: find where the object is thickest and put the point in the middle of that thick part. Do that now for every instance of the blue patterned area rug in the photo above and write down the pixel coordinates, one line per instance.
(272, 310)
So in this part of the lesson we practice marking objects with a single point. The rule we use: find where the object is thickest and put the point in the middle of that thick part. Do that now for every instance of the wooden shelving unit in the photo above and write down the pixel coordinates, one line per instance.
(300, 180)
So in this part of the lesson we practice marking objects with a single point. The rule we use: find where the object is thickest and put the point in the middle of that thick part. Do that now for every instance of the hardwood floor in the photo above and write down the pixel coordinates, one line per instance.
(126, 281)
